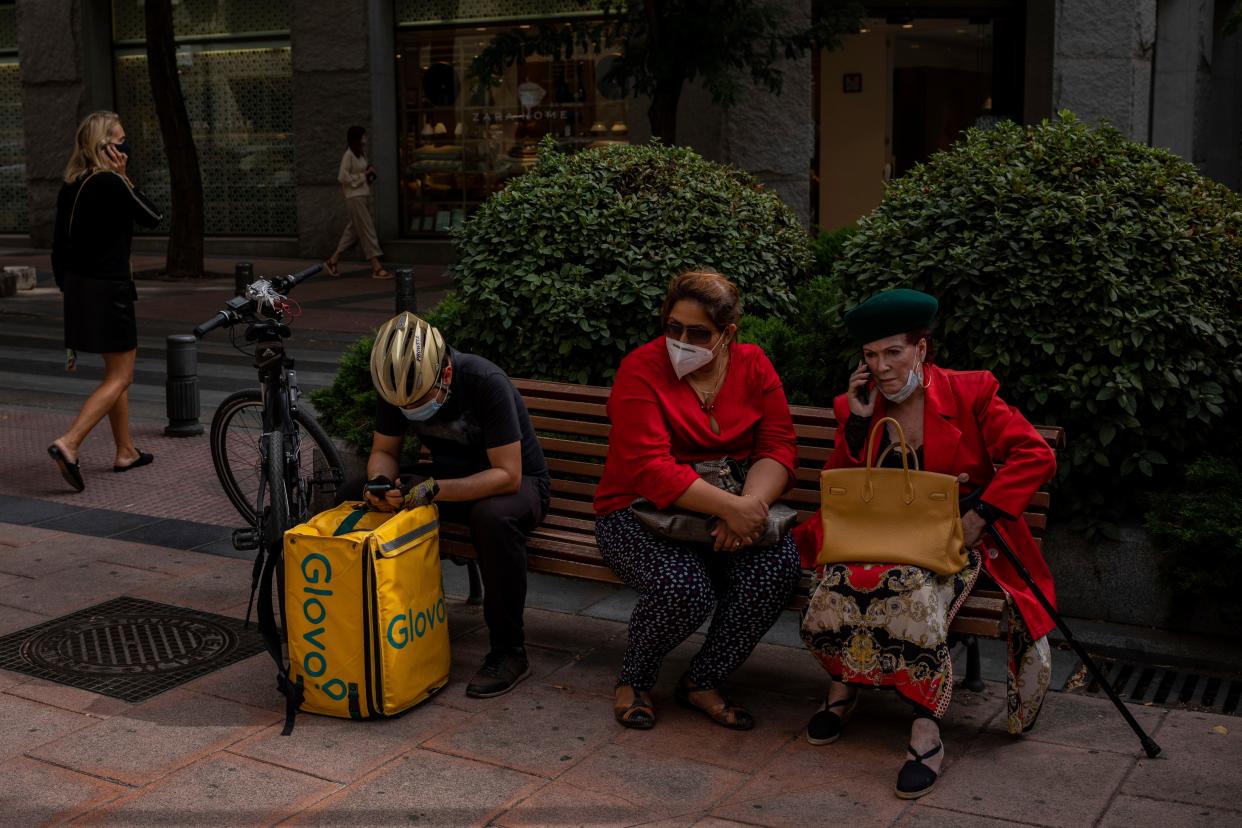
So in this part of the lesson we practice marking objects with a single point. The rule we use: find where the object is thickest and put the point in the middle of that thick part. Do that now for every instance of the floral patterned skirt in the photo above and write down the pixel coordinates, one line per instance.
(880, 625)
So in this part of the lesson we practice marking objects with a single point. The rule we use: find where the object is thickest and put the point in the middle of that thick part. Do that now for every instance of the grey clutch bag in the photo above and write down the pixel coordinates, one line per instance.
(691, 527)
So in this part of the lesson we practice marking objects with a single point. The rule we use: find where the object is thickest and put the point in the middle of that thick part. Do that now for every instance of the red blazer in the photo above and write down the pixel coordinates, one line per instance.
(659, 430)
(967, 428)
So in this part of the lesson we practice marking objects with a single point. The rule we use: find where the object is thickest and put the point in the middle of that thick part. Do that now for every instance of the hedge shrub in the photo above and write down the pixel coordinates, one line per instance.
(562, 272)
(1097, 277)
(1199, 528)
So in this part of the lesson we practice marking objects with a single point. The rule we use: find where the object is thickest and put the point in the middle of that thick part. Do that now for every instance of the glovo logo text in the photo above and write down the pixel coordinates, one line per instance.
(317, 570)
(407, 626)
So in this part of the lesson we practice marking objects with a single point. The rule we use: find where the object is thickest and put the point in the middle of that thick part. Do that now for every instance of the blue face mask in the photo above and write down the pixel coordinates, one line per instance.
(425, 411)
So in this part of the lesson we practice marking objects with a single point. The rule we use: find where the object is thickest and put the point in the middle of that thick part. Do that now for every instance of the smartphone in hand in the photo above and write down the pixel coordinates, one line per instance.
(864, 393)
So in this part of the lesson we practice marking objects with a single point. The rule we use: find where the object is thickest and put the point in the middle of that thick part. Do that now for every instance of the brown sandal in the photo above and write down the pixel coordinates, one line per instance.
(640, 715)
(726, 714)
(380, 274)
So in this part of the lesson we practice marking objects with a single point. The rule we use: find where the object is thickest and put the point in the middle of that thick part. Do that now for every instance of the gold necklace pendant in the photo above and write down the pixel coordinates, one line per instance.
(708, 398)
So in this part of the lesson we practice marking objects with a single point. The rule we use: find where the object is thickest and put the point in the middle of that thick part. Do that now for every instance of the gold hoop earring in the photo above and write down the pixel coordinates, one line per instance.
(926, 376)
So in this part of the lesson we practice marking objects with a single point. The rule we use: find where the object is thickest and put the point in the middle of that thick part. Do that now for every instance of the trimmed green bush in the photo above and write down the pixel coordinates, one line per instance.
(346, 408)
(798, 343)
(1097, 277)
(828, 247)
(1199, 528)
(562, 273)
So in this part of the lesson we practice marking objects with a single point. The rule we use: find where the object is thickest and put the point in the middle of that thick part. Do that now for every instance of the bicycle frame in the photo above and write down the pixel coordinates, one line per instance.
(278, 384)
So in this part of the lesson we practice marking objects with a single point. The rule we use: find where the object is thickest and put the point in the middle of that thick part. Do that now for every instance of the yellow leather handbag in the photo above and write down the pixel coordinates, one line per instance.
(890, 516)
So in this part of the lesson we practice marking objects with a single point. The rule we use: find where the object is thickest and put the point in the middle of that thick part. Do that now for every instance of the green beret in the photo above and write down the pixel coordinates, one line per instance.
(889, 313)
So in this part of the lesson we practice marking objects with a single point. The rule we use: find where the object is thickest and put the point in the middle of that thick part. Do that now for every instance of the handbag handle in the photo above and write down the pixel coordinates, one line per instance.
(868, 488)
(879, 461)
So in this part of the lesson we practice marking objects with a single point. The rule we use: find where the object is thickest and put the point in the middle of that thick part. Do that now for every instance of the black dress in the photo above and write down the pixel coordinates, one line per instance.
(95, 217)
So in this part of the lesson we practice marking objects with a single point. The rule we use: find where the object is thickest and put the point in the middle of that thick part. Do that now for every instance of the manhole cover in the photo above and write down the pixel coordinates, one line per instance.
(1167, 686)
(128, 648)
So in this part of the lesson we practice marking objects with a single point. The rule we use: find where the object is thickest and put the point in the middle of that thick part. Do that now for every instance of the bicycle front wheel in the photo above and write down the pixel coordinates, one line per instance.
(279, 518)
(235, 432)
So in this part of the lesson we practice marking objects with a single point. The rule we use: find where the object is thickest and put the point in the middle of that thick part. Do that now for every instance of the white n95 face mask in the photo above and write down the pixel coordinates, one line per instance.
(687, 358)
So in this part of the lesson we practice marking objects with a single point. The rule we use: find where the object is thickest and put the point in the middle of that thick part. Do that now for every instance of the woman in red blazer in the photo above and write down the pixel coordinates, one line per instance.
(887, 625)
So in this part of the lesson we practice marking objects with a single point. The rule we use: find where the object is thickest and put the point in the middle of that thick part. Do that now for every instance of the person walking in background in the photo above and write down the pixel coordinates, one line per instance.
(95, 215)
(356, 175)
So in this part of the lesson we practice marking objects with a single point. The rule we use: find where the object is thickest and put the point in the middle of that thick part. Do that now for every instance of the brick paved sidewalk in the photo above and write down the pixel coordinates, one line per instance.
(180, 484)
(549, 753)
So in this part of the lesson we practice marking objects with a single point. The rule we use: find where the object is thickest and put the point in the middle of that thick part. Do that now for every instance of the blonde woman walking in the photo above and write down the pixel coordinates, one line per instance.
(95, 215)
(356, 175)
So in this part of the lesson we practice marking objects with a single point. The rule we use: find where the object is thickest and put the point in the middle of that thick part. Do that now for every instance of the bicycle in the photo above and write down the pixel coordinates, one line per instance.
(256, 434)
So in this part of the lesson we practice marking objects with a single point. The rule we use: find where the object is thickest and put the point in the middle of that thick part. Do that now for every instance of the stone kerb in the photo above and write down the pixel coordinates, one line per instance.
(26, 277)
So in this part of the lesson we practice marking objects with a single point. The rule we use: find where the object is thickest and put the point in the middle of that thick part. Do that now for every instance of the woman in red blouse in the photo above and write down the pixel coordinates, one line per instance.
(691, 395)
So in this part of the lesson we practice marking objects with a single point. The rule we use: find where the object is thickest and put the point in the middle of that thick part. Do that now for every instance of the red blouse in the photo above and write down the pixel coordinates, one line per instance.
(659, 429)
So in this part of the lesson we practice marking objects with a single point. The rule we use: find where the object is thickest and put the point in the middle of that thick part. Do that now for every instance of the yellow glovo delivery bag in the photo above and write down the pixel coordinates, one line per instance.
(364, 614)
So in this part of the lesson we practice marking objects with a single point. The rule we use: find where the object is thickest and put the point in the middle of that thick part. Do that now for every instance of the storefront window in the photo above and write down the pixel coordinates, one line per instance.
(460, 143)
(238, 101)
(233, 59)
(205, 18)
(897, 92)
(457, 11)
(13, 208)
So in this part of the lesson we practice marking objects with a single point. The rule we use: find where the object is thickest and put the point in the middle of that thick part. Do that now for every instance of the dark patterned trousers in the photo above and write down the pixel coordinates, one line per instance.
(679, 584)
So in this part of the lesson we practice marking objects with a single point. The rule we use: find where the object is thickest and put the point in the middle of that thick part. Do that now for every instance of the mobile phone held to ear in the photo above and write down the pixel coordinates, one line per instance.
(864, 393)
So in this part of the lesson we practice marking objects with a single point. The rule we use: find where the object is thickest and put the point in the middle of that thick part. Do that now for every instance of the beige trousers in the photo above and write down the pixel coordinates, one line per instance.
(359, 228)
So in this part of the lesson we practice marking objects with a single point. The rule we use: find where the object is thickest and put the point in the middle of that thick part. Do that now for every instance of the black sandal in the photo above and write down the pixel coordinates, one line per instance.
(742, 718)
(825, 727)
(70, 471)
(144, 459)
(640, 715)
(916, 779)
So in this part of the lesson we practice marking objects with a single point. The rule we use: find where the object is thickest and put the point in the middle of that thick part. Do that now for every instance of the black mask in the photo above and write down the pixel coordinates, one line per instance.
(123, 147)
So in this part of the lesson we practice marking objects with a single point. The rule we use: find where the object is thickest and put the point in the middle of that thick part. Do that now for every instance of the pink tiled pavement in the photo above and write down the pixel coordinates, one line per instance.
(549, 754)
(179, 484)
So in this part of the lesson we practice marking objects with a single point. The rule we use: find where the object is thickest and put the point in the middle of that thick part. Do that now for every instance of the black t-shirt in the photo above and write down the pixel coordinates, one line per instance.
(483, 411)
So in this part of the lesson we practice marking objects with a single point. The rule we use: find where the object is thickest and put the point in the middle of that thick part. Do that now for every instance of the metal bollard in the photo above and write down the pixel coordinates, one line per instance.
(406, 299)
(181, 386)
(243, 275)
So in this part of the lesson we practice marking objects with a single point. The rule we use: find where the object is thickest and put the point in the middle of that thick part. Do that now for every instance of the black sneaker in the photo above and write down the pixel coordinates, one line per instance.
(501, 671)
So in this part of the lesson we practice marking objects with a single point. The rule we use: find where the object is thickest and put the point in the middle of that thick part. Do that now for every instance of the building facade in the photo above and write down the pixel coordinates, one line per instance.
(271, 88)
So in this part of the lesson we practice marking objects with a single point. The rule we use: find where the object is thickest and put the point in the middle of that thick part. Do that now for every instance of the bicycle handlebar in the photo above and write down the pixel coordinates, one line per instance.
(213, 323)
(239, 305)
(288, 283)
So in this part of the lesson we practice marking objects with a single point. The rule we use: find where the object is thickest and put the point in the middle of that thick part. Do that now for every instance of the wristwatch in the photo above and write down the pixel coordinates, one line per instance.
(988, 512)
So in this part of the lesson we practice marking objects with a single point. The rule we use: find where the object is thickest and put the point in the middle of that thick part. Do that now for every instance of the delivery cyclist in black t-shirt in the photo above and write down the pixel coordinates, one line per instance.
(487, 469)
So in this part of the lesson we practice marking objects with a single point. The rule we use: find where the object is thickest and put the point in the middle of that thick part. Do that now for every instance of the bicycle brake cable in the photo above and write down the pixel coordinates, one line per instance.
(264, 293)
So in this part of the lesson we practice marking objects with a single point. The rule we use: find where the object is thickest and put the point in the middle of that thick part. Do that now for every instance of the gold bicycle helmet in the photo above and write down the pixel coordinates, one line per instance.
(406, 359)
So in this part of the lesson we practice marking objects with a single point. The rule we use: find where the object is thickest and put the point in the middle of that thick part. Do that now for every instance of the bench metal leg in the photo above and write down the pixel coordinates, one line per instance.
(974, 679)
(476, 584)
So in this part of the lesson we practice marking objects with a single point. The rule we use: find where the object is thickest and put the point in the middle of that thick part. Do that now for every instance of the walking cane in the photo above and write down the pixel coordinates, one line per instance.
(1149, 745)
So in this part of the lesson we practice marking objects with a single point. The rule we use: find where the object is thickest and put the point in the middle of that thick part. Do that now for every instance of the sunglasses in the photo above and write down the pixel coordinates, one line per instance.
(695, 334)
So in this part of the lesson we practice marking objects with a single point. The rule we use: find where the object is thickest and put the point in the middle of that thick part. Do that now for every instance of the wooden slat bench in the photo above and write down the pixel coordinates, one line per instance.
(573, 426)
